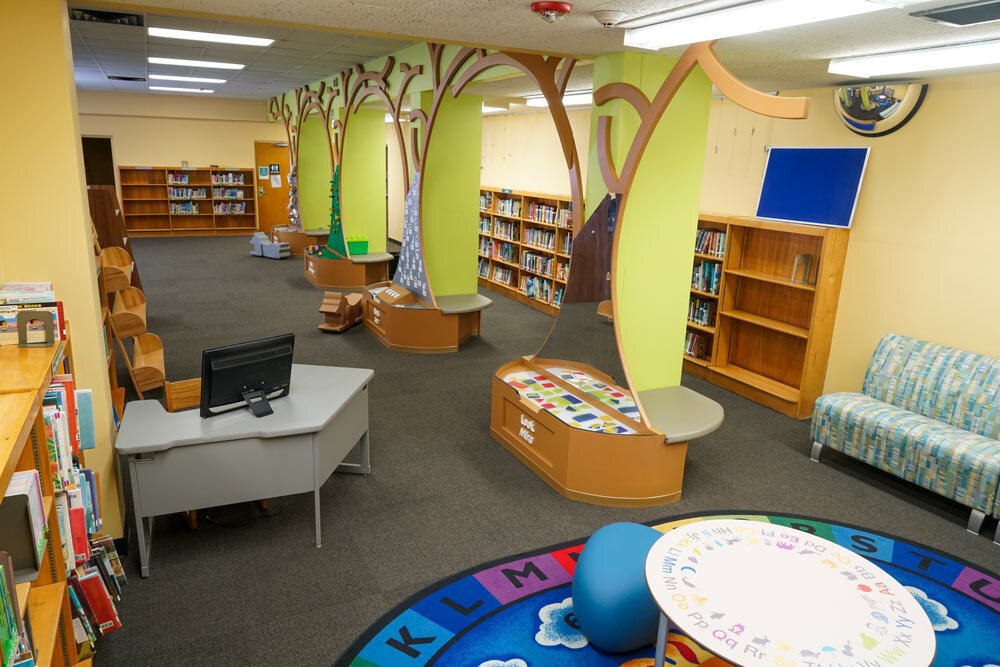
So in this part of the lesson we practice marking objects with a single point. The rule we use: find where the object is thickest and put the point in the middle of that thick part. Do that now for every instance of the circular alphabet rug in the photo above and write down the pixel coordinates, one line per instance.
(518, 612)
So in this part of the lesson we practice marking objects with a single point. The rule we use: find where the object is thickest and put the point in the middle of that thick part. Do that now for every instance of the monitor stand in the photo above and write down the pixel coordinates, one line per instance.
(258, 403)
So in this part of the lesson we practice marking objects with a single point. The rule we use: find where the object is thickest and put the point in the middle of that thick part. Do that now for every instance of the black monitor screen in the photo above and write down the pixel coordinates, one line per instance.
(246, 374)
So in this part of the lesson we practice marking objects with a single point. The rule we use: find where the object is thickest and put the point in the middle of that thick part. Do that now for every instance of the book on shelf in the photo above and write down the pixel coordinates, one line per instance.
(484, 267)
(230, 208)
(544, 239)
(706, 276)
(502, 274)
(505, 229)
(484, 225)
(695, 344)
(537, 263)
(547, 213)
(183, 208)
(16, 643)
(565, 217)
(227, 193)
(485, 201)
(511, 207)
(227, 178)
(22, 521)
(504, 251)
(538, 288)
(562, 271)
(710, 242)
(485, 246)
(566, 246)
(26, 292)
(557, 300)
(702, 311)
(187, 193)
(177, 178)
(95, 598)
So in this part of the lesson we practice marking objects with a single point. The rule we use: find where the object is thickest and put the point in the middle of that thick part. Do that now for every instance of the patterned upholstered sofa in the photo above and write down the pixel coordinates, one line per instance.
(927, 413)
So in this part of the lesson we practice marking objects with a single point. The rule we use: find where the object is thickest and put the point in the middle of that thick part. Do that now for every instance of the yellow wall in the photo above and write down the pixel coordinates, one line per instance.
(395, 188)
(922, 254)
(522, 152)
(45, 230)
(164, 130)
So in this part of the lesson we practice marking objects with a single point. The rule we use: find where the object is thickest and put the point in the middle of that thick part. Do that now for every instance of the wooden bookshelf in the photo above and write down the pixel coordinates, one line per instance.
(160, 201)
(44, 600)
(771, 337)
(525, 236)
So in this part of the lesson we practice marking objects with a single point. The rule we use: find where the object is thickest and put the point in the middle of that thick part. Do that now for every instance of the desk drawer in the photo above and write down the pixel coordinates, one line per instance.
(220, 473)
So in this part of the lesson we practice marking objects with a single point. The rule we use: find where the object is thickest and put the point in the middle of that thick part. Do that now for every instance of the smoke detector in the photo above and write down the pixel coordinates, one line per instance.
(608, 18)
(550, 12)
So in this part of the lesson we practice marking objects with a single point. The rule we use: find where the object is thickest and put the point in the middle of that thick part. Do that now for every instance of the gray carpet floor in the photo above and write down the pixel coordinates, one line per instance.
(247, 588)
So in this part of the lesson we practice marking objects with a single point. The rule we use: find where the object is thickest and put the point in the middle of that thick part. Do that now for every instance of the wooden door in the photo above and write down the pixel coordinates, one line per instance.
(272, 202)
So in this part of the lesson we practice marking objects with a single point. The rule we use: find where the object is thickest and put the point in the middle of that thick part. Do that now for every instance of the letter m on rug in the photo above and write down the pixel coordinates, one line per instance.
(529, 569)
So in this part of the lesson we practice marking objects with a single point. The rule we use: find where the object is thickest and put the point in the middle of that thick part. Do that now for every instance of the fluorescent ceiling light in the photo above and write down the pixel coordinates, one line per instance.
(194, 63)
(209, 37)
(744, 19)
(487, 109)
(191, 79)
(182, 90)
(919, 60)
(570, 100)
(388, 118)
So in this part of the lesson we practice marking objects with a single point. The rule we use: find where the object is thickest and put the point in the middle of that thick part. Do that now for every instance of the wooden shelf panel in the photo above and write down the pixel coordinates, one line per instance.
(765, 384)
(770, 278)
(27, 368)
(17, 416)
(767, 323)
(701, 327)
(707, 295)
(711, 258)
(22, 597)
(697, 360)
(45, 611)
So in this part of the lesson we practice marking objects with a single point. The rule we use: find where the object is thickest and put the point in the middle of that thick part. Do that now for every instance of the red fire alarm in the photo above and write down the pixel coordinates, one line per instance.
(550, 12)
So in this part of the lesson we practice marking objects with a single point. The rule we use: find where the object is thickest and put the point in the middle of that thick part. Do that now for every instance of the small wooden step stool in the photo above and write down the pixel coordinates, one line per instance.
(342, 311)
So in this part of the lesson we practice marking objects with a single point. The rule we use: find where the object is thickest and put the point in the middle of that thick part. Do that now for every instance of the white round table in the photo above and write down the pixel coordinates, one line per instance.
(756, 593)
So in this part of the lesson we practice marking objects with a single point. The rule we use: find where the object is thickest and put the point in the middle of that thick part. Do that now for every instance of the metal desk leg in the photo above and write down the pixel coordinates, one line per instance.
(316, 484)
(364, 467)
(661, 641)
(143, 527)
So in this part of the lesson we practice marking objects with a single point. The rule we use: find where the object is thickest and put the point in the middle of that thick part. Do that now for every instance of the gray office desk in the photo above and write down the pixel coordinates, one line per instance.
(180, 462)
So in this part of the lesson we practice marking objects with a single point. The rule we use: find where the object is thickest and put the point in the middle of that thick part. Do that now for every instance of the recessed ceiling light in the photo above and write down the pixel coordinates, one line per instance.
(569, 100)
(745, 19)
(919, 60)
(182, 90)
(209, 37)
(191, 79)
(194, 63)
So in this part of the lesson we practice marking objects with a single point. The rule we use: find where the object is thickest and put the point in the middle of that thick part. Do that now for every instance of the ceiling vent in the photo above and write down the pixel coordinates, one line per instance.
(966, 13)
(113, 18)
(135, 79)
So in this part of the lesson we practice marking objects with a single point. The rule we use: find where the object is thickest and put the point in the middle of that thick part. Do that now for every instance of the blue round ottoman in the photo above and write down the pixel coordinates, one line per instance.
(610, 600)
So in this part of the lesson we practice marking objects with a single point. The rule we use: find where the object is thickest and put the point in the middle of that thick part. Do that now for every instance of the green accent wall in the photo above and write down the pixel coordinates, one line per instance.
(660, 217)
(450, 198)
(314, 175)
(362, 178)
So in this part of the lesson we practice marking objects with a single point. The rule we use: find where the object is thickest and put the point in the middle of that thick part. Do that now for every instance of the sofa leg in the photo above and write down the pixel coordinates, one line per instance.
(975, 521)
(817, 448)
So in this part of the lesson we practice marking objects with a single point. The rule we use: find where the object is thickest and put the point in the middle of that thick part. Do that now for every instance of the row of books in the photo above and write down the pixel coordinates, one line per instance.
(485, 201)
(22, 519)
(538, 288)
(503, 274)
(511, 207)
(16, 642)
(710, 242)
(557, 300)
(706, 277)
(485, 246)
(504, 251)
(227, 193)
(562, 271)
(543, 213)
(566, 245)
(15, 297)
(694, 344)
(177, 178)
(187, 208)
(538, 263)
(484, 267)
(484, 225)
(227, 178)
(94, 587)
(187, 193)
(540, 238)
(702, 311)
(565, 217)
(230, 208)
(505, 229)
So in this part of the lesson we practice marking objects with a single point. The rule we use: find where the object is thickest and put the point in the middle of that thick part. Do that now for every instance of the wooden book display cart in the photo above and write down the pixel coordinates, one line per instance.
(403, 322)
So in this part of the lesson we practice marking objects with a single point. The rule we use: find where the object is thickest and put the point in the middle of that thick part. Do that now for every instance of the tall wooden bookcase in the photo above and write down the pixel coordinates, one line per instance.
(26, 375)
(525, 238)
(770, 340)
(154, 201)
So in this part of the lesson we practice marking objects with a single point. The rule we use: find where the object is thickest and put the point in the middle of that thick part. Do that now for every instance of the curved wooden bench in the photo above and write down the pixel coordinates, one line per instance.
(129, 314)
(147, 368)
(116, 268)
(460, 304)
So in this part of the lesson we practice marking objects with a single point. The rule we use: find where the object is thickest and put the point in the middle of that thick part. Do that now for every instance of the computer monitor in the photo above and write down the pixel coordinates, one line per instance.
(247, 374)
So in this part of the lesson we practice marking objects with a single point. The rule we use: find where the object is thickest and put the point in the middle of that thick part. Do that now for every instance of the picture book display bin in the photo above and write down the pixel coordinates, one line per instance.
(347, 274)
(405, 324)
(624, 464)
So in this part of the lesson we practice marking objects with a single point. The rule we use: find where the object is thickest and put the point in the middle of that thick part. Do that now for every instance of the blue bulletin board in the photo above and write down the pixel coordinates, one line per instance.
(817, 186)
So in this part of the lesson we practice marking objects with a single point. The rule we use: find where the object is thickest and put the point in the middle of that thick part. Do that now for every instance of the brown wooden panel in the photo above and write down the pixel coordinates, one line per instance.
(141, 222)
(769, 353)
(144, 207)
(143, 176)
(130, 192)
(773, 252)
(778, 302)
